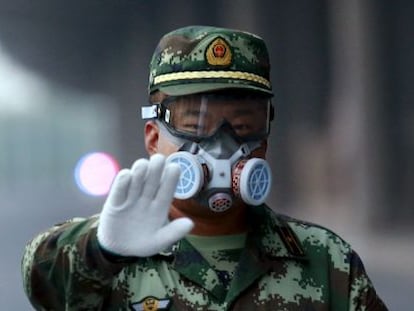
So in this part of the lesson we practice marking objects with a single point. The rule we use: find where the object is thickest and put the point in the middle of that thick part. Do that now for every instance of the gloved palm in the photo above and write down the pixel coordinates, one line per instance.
(134, 219)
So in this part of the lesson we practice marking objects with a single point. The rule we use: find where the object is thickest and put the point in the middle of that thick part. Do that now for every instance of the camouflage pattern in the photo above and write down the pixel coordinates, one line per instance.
(201, 58)
(286, 265)
(222, 253)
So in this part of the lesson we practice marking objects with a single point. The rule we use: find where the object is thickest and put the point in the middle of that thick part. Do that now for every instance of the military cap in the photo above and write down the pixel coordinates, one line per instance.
(197, 59)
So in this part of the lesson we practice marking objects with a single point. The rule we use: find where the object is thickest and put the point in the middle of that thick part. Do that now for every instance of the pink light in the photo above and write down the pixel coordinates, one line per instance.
(95, 172)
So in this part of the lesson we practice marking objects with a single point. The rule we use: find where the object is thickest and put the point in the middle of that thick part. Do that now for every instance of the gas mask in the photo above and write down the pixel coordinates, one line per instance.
(216, 137)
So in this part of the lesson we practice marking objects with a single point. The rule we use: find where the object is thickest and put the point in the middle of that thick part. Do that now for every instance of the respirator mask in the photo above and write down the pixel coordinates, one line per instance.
(216, 135)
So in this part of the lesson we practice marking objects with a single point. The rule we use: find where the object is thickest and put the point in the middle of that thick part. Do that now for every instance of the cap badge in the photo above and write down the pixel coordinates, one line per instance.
(151, 303)
(218, 53)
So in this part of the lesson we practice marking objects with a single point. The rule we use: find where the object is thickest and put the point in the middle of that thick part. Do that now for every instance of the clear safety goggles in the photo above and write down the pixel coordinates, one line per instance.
(200, 116)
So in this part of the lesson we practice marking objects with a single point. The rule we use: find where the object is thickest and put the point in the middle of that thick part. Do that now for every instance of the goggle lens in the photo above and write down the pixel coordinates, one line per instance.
(199, 116)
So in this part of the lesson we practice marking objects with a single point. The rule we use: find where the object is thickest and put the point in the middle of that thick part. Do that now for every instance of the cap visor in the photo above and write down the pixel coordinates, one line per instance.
(194, 88)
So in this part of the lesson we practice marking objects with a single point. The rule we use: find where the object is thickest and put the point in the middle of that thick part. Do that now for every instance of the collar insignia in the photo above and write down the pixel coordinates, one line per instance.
(218, 53)
(151, 303)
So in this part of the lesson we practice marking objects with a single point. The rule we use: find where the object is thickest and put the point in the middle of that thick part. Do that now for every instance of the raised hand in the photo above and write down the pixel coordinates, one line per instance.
(134, 220)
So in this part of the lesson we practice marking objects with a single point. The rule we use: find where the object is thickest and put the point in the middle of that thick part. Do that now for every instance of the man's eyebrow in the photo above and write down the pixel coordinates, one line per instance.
(243, 111)
(191, 112)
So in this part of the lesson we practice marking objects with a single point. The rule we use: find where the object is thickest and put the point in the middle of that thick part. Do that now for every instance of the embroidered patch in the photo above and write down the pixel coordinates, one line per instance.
(218, 53)
(151, 303)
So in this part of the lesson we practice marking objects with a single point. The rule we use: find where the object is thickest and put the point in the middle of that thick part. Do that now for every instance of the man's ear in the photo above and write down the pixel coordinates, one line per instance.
(151, 136)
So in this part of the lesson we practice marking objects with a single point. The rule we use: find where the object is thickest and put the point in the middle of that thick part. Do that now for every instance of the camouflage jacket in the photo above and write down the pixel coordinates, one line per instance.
(286, 265)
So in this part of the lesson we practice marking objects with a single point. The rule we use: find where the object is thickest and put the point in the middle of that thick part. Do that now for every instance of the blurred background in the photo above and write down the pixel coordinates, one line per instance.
(73, 75)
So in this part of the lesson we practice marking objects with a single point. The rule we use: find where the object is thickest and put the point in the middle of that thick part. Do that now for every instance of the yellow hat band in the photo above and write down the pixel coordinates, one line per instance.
(190, 75)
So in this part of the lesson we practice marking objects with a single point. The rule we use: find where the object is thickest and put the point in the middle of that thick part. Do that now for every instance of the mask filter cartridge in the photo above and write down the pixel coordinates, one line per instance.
(252, 180)
(191, 177)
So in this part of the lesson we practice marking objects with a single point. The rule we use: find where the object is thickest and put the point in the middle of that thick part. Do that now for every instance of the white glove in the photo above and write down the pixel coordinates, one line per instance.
(134, 219)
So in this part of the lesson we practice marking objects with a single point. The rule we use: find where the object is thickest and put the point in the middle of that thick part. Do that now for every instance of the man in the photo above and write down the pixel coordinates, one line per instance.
(188, 228)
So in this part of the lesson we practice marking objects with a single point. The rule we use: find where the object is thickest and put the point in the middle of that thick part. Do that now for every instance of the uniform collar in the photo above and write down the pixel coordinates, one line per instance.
(272, 234)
